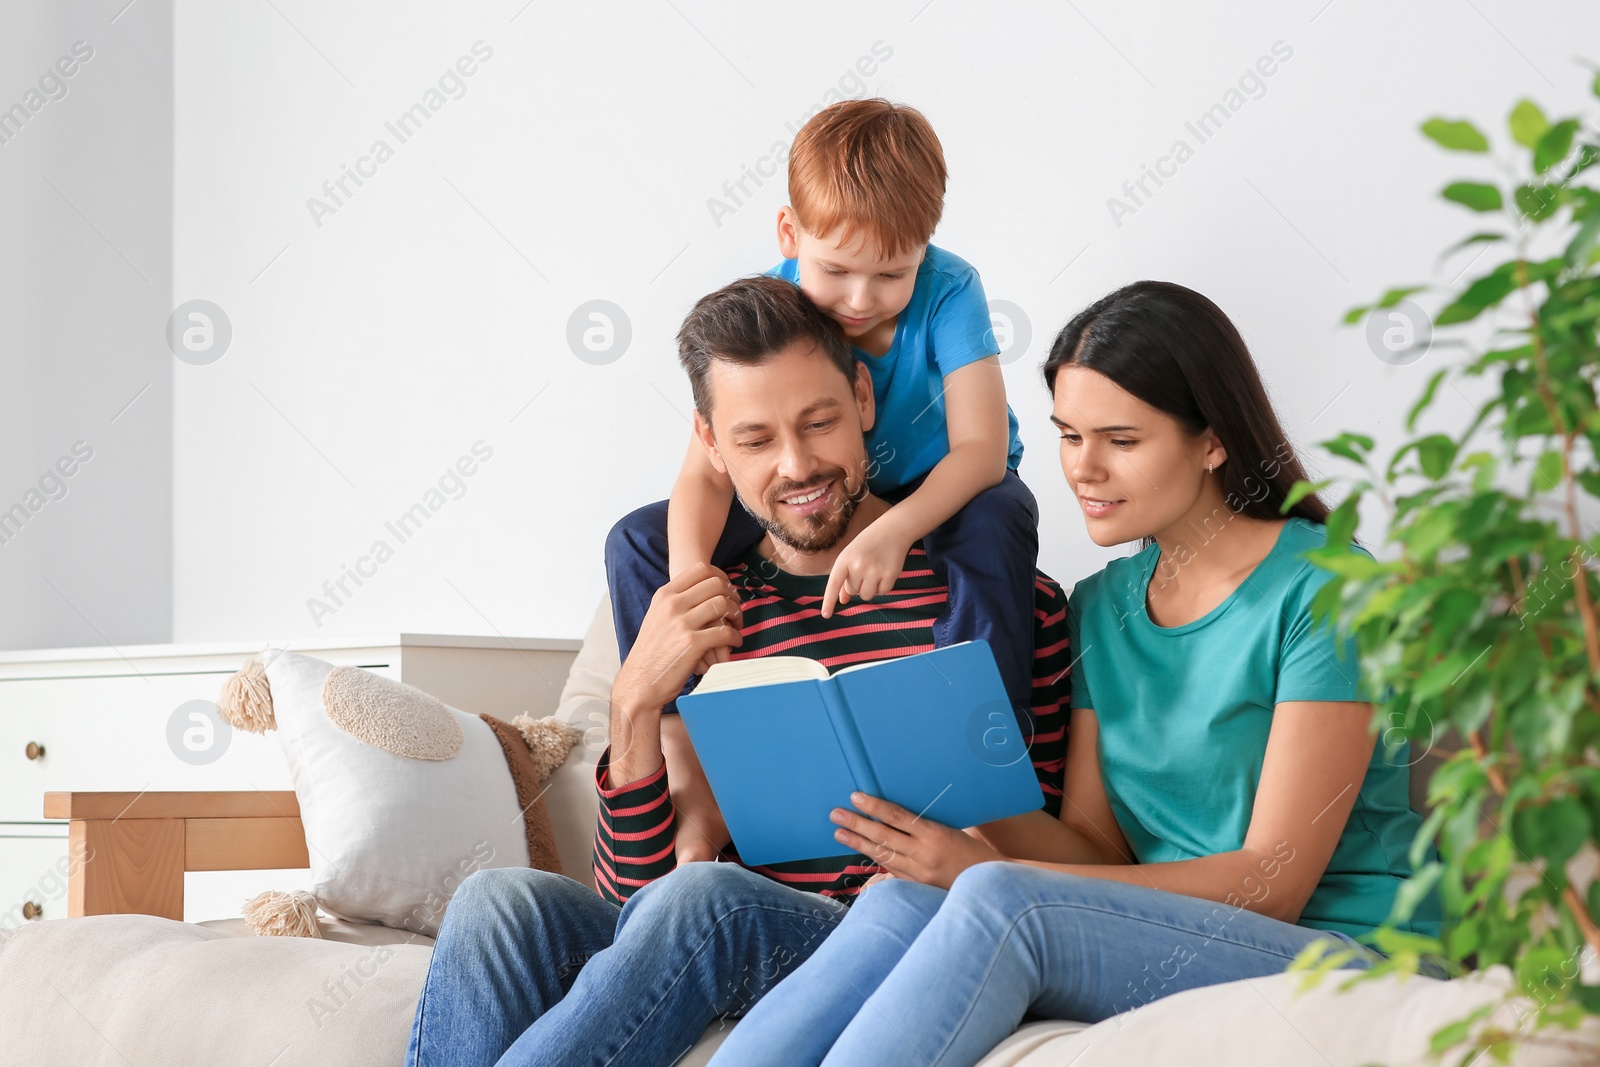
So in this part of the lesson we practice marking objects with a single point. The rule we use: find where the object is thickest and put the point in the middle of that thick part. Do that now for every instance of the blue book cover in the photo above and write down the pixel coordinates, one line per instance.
(933, 732)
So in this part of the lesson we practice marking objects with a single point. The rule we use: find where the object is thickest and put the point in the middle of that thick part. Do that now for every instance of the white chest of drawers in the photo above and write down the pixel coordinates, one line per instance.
(115, 719)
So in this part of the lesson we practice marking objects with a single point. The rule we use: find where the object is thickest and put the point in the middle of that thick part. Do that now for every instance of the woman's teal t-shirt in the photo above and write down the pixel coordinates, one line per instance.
(1184, 713)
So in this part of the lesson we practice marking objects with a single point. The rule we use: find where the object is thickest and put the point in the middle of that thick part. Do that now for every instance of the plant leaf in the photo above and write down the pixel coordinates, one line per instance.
(1387, 300)
(1588, 995)
(1394, 296)
(1547, 472)
(1352, 446)
(1413, 890)
(1583, 242)
(1436, 452)
(1527, 123)
(1342, 521)
(1475, 239)
(1536, 202)
(1475, 195)
(1300, 490)
(1485, 292)
(1565, 829)
(1554, 145)
(1425, 399)
(1458, 135)
(1447, 1037)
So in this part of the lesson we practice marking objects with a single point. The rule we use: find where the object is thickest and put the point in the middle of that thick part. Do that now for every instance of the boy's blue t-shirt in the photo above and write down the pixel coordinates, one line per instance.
(1184, 713)
(945, 327)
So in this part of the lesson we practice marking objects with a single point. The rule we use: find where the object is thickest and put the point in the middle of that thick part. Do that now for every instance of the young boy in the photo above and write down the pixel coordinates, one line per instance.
(866, 184)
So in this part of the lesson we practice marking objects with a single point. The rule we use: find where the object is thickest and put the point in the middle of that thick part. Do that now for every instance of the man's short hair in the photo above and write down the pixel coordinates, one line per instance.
(868, 168)
(750, 321)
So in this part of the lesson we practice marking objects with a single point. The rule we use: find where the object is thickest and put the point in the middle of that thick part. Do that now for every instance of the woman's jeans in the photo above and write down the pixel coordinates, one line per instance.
(919, 975)
(532, 968)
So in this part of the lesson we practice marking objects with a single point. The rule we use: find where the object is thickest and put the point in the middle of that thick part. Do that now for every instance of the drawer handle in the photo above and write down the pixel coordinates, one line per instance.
(35, 750)
(30, 910)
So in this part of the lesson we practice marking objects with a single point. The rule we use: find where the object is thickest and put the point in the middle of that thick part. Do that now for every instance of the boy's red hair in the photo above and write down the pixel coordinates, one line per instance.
(868, 168)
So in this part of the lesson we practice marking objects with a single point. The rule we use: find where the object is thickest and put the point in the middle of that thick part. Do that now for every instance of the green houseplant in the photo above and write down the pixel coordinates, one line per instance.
(1479, 625)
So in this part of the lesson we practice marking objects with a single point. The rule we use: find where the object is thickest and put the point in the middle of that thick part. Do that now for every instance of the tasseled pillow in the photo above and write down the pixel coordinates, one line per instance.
(401, 796)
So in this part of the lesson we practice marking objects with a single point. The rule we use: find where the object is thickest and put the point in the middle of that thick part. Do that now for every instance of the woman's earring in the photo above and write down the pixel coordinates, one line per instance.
(1209, 468)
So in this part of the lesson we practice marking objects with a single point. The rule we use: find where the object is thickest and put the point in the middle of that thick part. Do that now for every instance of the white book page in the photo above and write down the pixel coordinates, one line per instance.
(763, 670)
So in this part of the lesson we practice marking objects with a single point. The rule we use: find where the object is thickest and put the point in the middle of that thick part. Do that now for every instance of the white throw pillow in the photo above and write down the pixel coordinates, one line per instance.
(391, 837)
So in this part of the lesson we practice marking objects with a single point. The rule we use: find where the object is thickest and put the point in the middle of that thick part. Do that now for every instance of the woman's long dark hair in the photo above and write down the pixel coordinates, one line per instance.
(1176, 351)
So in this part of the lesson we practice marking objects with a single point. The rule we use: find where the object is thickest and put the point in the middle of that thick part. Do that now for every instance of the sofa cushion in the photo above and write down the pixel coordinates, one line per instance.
(1267, 1022)
(139, 990)
(369, 934)
(393, 828)
(142, 990)
(585, 703)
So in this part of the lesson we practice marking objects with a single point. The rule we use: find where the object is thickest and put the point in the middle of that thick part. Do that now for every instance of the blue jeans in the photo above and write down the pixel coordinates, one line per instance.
(533, 968)
(920, 975)
(986, 552)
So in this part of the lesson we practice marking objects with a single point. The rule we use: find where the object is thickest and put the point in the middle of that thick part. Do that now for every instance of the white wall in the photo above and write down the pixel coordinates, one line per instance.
(85, 288)
(372, 350)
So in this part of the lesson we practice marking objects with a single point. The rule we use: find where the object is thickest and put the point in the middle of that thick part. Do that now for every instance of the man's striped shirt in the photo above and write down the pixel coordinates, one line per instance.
(782, 616)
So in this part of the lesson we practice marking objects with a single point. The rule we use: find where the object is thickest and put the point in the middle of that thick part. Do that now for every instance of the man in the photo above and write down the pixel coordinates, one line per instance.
(534, 968)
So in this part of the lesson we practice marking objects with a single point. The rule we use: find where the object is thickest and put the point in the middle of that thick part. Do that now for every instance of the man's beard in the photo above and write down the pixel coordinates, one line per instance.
(810, 533)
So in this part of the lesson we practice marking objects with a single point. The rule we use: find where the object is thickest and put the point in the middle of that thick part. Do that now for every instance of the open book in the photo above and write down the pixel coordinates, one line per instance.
(783, 743)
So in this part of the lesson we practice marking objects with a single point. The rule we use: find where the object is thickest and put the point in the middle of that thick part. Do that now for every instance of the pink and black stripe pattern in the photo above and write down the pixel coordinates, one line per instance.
(782, 616)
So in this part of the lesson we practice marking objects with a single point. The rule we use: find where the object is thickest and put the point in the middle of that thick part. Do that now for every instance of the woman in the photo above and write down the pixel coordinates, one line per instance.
(1225, 803)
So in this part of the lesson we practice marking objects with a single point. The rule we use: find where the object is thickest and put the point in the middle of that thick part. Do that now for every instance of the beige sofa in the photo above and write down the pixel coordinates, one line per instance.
(139, 990)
